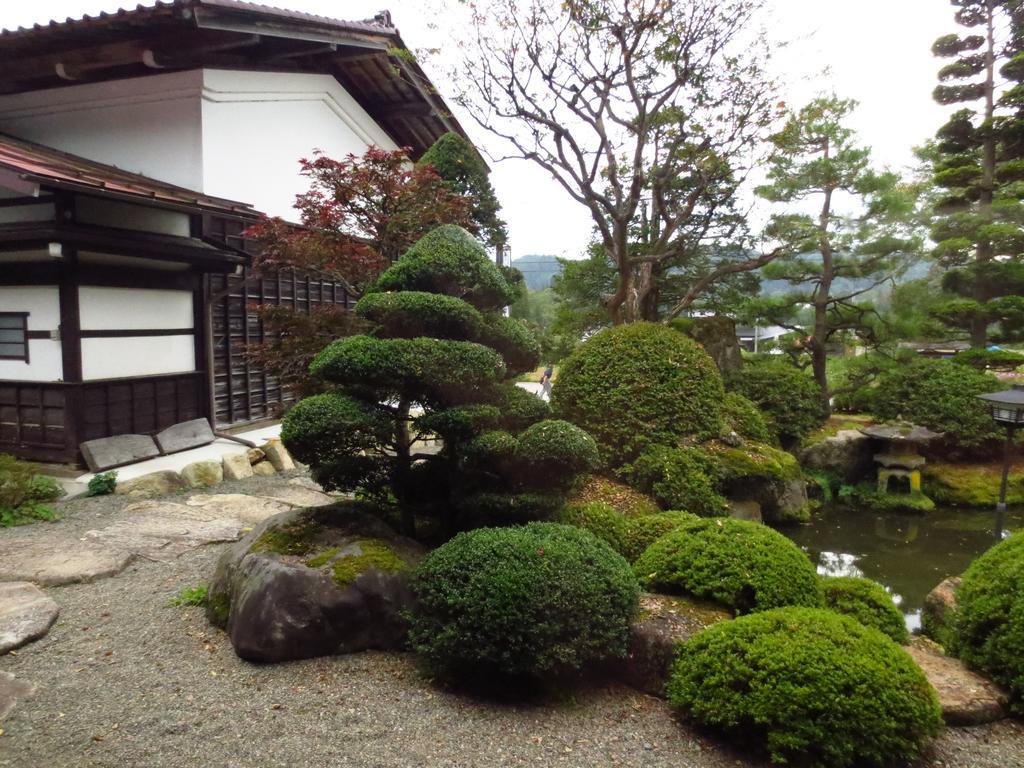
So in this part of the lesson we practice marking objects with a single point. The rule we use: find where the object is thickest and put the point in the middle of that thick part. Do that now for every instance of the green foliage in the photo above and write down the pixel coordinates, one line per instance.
(679, 478)
(346, 566)
(408, 314)
(942, 396)
(197, 596)
(619, 496)
(460, 422)
(295, 539)
(808, 687)
(867, 602)
(447, 260)
(787, 395)
(641, 532)
(102, 484)
(638, 385)
(988, 631)
(505, 507)
(551, 453)
(744, 418)
(522, 602)
(25, 494)
(744, 566)
(755, 460)
(982, 359)
(514, 341)
(867, 496)
(970, 485)
(602, 520)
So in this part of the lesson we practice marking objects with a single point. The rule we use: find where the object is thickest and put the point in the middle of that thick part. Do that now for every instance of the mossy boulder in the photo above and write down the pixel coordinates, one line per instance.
(315, 582)
(771, 477)
(971, 485)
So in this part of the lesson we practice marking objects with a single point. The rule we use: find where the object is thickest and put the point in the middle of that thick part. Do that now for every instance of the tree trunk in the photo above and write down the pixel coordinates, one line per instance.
(822, 296)
(403, 467)
(979, 325)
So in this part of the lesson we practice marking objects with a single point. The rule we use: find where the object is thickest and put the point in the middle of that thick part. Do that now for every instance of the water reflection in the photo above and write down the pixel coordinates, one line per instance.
(908, 554)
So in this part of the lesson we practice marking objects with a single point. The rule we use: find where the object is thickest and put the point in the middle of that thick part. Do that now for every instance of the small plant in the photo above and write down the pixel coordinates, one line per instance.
(102, 484)
(867, 602)
(522, 602)
(197, 596)
(741, 565)
(808, 687)
(25, 495)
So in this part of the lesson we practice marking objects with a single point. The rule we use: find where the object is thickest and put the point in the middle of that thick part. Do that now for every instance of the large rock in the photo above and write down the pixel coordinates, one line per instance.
(12, 689)
(664, 623)
(248, 509)
(54, 561)
(201, 474)
(236, 466)
(314, 582)
(107, 452)
(848, 454)
(163, 531)
(264, 469)
(278, 455)
(746, 510)
(966, 698)
(26, 614)
(298, 496)
(188, 434)
(718, 337)
(940, 610)
(154, 484)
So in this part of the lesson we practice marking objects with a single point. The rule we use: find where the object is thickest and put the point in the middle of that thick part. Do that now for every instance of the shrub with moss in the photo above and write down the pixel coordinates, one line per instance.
(808, 687)
(970, 485)
(638, 385)
(628, 501)
(786, 394)
(641, 532)
(942, 396)
(603, 521)
(743, 417)
(25, 495)
(679, 478)
(988, 631)
(867, 602)
(742, 565)
(522, 602)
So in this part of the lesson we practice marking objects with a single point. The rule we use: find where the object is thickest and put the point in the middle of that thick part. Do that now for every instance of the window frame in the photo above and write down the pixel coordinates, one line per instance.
(24, 329)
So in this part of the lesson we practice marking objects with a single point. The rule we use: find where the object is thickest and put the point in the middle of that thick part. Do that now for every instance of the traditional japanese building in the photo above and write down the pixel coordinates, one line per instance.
(127, 141)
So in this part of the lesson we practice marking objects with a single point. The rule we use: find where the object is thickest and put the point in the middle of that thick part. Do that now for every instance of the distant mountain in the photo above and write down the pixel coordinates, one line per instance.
(538, 270)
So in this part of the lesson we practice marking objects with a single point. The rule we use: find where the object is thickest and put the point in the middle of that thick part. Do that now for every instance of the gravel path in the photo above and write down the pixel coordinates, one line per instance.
(127, 681)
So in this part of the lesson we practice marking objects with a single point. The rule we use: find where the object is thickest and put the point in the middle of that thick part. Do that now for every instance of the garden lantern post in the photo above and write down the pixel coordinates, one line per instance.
(1006, 408)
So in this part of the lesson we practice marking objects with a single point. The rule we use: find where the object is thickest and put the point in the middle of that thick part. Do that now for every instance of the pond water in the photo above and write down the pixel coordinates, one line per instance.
(908, 554)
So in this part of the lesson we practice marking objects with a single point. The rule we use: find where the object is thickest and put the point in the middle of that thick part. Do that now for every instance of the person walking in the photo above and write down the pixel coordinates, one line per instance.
(545, 383)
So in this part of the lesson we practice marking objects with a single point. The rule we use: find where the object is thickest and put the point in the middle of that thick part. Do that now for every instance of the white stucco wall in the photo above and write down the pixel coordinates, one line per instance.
(104, 309)
(107, 213)
(257, 125)
(149, 125)
(43, 305)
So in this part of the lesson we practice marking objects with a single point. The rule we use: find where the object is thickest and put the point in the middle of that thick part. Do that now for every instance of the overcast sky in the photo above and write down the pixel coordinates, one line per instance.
(874, 51)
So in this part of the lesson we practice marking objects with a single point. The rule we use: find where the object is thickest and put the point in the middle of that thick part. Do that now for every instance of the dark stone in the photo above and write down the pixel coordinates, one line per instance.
(116, 451)
(276, 608)
(940, 610)
(188, 434)
(718, 337)
(966, 697)
(849, 455)
(664, 622)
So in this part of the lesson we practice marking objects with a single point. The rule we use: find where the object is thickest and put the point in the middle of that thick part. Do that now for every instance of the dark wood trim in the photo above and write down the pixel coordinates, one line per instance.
(39, 335)
(25, 200)
(49, 273)
(70, 319)
(203, 321)
(131, 333)
(30, 273)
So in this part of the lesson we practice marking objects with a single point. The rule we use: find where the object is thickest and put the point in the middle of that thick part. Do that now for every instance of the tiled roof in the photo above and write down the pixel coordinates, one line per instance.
(53, 168)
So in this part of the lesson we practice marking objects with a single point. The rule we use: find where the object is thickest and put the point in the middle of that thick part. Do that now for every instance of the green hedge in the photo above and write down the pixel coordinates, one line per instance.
(641, 532)
(786, 394)
(679, 478)
(602, 520)
(409, 314)
(514, 341)
(551, 453)
(808, 687)
(867, 602)
(988, 630)
(323, 427)
(638, 385)
(519, 408)
(743, 417)
(598, 488)
(523, 602)
(942, 396)
(742, 565)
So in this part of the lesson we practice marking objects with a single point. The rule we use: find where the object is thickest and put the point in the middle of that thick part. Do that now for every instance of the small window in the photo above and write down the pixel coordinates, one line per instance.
(14, 336)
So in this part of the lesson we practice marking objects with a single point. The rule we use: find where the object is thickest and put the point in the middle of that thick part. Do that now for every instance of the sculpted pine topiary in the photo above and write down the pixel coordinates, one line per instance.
(438, 363)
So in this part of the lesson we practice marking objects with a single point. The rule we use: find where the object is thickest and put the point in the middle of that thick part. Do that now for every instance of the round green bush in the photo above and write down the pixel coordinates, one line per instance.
(323, 427)
(409, 314)
(867, 602)
(459, 422)
(743, 417)
(551, 453)
(451, 261)
(519, 408)
(988, 630)
(786, 394)
(742, 565)
(514, 341)
(597, 488)
(942, 396)
(807, 686)
(637, 385)
(506, 507)
(641, 532)
(523, 602)
(602, 520)
(678, 478)
(494, 451)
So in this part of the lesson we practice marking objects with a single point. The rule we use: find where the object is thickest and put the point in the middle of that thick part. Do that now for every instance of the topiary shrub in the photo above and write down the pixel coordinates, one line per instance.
(603, 521)
(641, 532)
(942, 396)
(525, 602)
(598, 488)
(867, 602)
(638, 385)
(679, 478)
(743, 417)
(988, 630)
(808, 687)
(551, 453)
(995, 359)
(742, 565)
(786, 394)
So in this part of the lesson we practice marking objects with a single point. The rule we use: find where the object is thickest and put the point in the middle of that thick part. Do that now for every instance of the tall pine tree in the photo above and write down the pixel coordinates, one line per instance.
(978, 160)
